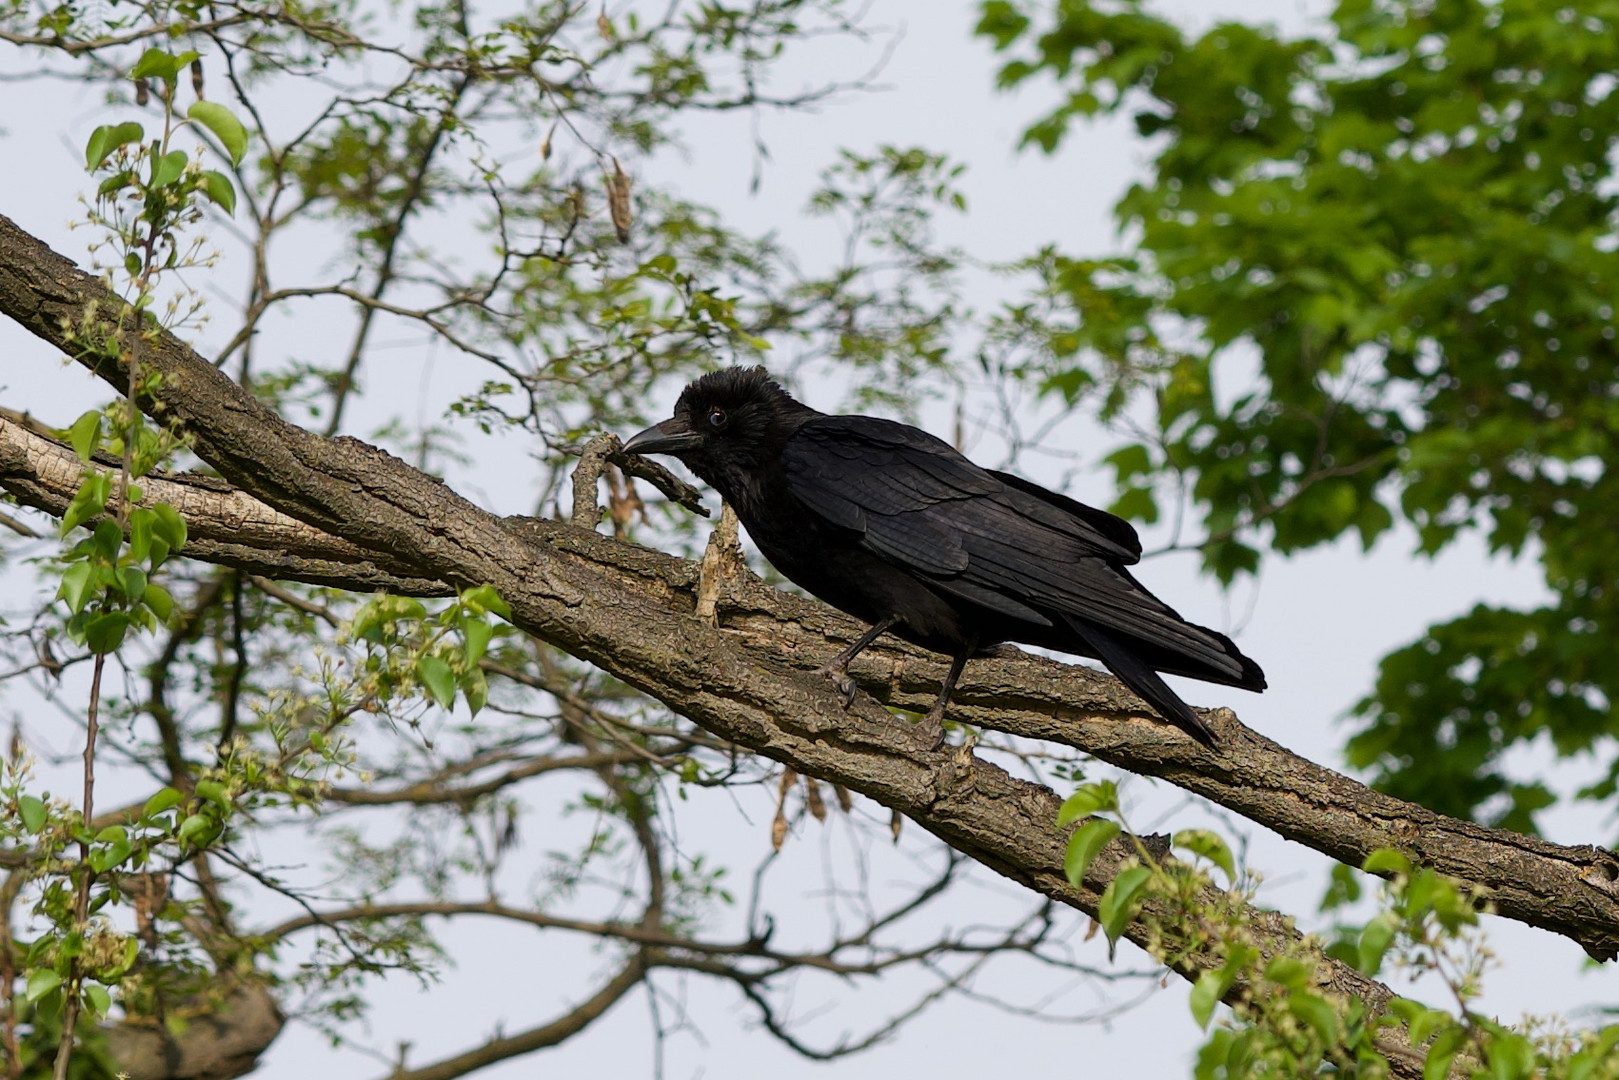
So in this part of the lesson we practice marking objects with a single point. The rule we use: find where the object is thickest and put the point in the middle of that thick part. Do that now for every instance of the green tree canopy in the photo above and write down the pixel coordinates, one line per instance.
(1371, 278)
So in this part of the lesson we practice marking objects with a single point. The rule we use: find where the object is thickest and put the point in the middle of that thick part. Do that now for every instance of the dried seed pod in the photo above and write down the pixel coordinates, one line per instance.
(604, 26)
(812, 798)
(142, 94)
(778, 830)
(545, 147)
(618, 202)
(845, 801)
(196, 77)
(895, 820)
(778, 827)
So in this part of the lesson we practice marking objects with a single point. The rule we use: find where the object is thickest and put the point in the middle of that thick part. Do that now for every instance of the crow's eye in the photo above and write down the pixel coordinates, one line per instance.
(717, 418)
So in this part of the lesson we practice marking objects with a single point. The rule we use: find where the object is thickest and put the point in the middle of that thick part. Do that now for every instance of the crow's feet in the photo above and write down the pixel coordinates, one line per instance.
(841, 682)
(933, 724)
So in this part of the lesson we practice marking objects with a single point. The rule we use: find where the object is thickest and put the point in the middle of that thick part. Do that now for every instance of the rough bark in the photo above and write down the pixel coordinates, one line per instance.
(748, 679)
(1566, 889)
(218, 1043)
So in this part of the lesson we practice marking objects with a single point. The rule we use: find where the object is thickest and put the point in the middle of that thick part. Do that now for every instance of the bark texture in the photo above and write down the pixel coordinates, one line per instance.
(340, 512)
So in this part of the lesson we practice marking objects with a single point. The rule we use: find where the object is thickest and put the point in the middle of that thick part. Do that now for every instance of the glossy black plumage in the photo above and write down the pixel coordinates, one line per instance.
(892, 525)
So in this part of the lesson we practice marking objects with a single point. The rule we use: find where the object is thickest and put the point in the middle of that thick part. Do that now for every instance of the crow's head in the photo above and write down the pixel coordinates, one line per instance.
(727, 425)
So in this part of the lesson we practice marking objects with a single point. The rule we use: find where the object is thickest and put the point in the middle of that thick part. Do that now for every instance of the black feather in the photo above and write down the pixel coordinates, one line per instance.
(888, 523)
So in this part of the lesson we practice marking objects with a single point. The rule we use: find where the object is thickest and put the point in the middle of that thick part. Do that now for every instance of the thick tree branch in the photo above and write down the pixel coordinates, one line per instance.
(1569, 890)
(629, 611)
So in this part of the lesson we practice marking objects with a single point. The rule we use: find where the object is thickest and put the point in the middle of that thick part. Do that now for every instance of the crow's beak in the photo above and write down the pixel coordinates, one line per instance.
(670, 437)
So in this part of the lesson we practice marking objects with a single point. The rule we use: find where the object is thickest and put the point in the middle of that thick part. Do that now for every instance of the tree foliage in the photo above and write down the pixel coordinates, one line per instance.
(1372, 280)
(515, 727)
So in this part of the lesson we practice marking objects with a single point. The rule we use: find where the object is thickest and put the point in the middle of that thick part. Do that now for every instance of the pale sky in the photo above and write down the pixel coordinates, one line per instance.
(1318, 623)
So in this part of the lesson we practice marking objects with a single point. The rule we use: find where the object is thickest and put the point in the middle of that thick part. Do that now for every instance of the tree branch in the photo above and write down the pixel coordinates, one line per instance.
(630, 611)
(1570, 890)
(535, 1038)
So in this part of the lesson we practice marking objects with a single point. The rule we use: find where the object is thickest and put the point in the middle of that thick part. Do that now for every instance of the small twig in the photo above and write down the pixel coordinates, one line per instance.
(18, 527)
(81, 904)
(673, 487)
(586, 510)
(606, 449)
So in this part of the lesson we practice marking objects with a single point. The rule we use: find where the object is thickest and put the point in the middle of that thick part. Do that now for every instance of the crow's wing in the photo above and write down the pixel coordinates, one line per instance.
(989, 538)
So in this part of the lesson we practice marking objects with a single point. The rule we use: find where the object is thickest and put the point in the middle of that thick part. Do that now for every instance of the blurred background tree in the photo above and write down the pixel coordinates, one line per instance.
(1362, 283)
(1370, 277)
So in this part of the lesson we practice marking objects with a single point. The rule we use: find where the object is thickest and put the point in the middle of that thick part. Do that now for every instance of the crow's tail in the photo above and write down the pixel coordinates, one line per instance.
(1148, 685)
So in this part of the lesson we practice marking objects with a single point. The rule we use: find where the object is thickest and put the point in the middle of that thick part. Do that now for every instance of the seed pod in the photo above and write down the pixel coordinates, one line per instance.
(778, 827)
(142, 95)
(604, 26)
(545, 147)
(895, 820)
(778, 830)
(196, 77)
(618, 202)
(845, 802)
(812, 798)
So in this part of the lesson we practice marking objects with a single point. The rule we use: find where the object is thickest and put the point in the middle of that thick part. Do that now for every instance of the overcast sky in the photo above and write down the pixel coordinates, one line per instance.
(1317, 624)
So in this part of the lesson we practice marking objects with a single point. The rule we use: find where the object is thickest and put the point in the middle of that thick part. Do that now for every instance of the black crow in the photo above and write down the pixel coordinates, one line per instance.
(893, 526)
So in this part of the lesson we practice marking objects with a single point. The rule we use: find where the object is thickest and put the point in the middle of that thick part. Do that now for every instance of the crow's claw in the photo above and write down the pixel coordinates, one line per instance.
(845, 686)
(933, 723)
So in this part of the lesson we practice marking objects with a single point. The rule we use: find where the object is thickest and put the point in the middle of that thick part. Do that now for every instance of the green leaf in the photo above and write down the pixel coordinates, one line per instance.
(438, 678)
(103, 859)
(1136, 503)
(1375, 940)
(167, 169)
(485, 597)
(1206, 994)
(214, 792)
(1318, 1013)
(1209, 845)
(32, 811)
(1084, 845)
(1288, 971)
(132, 582)
(218, 187)
(226, 128)
(159, 64)
(169, 526)
(475, 688)
(158, 600)
(75, 587)
(197, 830)
(116, 182)
(97, 1000)
(1442, 1053)
(1426, 1021)
(42, 982)
(1120, 900)
(104, 633)
(85, 435)
(1511, 1057)
(476, 634)
(104, 140)
(108, 540)
(166, 799)
(1386, 861)
(90, 500)
(1089, 799)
